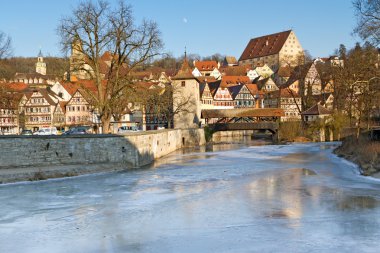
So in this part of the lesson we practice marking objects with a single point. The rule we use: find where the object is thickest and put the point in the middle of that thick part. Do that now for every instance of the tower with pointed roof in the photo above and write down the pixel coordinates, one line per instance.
(186, 98)
(40, 65)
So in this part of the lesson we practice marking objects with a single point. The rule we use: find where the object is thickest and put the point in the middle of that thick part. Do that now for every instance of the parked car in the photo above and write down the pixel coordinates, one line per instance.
(26, 132)
(46, 131)
(127, 129)
(77, 130)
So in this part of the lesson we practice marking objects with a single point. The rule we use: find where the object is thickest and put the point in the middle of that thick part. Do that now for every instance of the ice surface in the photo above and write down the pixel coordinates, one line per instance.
(289, 198)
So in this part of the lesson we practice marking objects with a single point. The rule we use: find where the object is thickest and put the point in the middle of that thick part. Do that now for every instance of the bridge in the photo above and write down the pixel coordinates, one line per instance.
(244, 119)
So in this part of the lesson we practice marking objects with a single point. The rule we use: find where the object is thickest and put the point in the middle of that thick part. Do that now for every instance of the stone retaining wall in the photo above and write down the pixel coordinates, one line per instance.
(219, 136)
(30, 157)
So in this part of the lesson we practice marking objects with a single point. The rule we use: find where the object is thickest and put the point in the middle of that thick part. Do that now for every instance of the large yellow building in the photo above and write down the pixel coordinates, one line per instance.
(275, 50)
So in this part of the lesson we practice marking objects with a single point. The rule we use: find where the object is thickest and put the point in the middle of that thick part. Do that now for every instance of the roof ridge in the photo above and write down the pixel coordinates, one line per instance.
(270, 35)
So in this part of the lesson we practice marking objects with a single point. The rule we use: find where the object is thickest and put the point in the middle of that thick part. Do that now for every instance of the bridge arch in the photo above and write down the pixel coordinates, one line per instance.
(244, 119)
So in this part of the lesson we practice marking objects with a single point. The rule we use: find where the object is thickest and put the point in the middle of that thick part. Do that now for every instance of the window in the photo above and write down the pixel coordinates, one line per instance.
(183, 83)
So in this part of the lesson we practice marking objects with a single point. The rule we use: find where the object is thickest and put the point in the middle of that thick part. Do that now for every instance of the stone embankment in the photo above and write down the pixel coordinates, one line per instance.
(39, 157)
(364, 152)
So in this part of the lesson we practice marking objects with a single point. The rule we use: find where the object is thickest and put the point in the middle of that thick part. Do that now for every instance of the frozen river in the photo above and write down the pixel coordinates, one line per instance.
(294, 198)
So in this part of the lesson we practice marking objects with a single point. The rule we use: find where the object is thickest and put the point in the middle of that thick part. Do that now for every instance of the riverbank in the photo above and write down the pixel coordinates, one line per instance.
(364, 152)
(29, 158)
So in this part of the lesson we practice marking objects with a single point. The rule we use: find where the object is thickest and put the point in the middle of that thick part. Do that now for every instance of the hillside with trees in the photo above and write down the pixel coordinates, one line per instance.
(9, 67)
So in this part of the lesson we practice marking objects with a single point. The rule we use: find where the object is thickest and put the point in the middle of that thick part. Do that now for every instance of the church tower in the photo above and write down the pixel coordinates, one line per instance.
(79, 69)
(40, 65)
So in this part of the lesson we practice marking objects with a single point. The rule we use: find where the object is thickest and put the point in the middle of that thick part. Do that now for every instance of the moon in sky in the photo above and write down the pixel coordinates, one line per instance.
(185, 20)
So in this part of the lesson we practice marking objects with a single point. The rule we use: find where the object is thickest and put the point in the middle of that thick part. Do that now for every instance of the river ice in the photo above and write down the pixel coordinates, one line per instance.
(287, 198)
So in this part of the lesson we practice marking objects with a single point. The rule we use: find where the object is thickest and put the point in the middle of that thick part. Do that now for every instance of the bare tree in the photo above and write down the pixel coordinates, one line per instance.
(215, 57)
(356, 85)
(368, 24)
(5, 45)
(101, 28)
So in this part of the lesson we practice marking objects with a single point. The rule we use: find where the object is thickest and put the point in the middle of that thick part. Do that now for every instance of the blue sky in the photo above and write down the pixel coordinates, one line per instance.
(204, 27)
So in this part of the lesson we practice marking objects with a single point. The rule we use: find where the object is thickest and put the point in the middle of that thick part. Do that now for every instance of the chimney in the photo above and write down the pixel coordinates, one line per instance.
(267, 43)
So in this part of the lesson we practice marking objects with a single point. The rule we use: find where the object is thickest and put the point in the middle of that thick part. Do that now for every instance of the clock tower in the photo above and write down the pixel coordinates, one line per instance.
(40, 65)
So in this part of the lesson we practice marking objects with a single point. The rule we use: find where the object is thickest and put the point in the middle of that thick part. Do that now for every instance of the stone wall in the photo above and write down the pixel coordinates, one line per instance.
(219, 136)
(30, 157)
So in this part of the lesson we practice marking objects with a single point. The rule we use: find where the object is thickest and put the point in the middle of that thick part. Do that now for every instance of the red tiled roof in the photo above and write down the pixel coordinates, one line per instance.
(17, 87)
(71, 88)
(206, 65)
(84, 85)
(90, 85)
(234, 80)
(253, 89)
(235, 70)
(265, 45)
(202, 79)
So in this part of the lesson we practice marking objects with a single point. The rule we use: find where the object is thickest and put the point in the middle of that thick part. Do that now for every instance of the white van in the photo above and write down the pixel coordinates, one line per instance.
(46, 131)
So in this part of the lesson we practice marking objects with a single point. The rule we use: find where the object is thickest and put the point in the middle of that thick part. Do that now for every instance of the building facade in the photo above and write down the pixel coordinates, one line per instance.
(275, 50)
(38, 108)
(286, 99)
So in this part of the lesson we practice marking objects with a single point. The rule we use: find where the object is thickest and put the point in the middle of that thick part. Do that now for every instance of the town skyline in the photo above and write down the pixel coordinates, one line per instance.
(198, 29)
